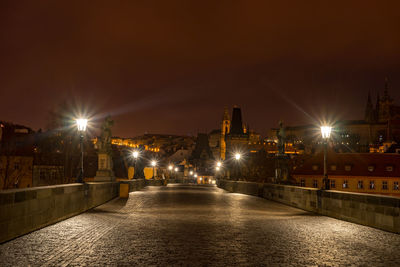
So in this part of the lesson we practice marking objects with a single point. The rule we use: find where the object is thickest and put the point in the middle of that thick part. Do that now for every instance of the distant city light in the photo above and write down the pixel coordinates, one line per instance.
(191, 172)
(135, 154)
(170, 167)
(153, 163)
(238, 156)
(217, 168)
(176, 169)
(219, 164)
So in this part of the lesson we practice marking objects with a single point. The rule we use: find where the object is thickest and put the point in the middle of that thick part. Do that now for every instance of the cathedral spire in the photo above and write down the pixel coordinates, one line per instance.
(369, 109)
(386, 87)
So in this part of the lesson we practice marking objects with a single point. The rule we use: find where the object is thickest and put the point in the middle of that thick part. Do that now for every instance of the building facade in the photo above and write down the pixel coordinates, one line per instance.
(356, 172)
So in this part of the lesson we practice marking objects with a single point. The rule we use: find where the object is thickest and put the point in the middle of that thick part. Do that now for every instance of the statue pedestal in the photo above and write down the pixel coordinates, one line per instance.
(281, 168)
(105, 166)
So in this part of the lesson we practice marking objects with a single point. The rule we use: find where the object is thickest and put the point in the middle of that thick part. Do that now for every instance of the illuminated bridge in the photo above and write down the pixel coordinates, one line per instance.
(200, 225)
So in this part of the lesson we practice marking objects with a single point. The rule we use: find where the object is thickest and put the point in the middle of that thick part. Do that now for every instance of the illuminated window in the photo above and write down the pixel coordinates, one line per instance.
(333, 167)
(395, 185)
(384, 185)
(345, 184)
(389, 168)
(347, 168)
(371, 168)
(371, 184)
(333, 185)
(315, 183)
(360, 185)
(315, 167)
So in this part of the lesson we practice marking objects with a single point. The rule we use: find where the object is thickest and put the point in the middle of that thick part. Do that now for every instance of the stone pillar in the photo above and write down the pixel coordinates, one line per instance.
(105, 168)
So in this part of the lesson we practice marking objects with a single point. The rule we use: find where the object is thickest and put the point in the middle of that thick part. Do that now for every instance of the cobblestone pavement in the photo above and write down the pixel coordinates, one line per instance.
(201, 226)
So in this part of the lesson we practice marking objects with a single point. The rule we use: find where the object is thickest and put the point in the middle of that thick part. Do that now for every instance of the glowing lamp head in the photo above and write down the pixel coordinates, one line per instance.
(238, 156)
(153, 163)
(81, 124)
(191, 172)
(170, 167)
(176, 169)
(326, 131)
(219, 164)
(135, 154)
(195, 175)
(217, 168)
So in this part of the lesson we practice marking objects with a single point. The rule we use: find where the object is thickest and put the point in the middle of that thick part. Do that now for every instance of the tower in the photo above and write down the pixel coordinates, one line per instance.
(225, 130)
(385, 104)
(237, 124)
(369, 110)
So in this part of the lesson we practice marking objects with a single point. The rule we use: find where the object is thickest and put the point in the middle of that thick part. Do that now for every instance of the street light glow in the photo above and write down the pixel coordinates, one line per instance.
(170, 167)
(135, 154)
(217, 168)
(326, 131)
(176, 169)
(195, 175)
(191, 172)
(81, 124)
(219, 164)
(238, 156)
(153, 163)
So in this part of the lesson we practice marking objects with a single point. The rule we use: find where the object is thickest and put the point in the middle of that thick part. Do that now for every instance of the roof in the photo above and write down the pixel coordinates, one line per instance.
(361, 164)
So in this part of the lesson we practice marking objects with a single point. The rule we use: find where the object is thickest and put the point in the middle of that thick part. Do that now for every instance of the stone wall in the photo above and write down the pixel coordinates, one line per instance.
(134, 184)
(377, 211)
(25, 210)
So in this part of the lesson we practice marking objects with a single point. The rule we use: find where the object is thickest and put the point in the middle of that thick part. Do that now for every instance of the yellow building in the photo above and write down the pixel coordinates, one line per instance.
(353, 172)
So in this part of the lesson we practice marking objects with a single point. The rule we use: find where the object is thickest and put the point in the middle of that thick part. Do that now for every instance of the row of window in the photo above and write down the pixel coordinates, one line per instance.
(371, 168)
(360, 184)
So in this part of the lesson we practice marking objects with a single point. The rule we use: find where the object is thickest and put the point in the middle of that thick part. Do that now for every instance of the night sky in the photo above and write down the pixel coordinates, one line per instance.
(172, 66)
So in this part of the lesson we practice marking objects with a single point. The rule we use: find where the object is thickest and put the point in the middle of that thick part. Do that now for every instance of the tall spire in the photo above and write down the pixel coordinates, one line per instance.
(386, 87)
(377, 106)
(226, 113)
(369, 109)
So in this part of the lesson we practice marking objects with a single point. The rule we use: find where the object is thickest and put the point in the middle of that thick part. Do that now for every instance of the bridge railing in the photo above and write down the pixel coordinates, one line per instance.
(377, 211)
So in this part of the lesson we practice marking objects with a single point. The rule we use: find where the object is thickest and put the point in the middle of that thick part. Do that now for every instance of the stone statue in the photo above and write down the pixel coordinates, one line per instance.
(105, 138)
(281, 139)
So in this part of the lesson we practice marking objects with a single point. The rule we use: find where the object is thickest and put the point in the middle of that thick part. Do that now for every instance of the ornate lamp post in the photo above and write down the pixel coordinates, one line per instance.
(135, 155)
(326, 133)
(170, 168)
(218, 168)
(238, 156)
(154, 164)
(81, 124)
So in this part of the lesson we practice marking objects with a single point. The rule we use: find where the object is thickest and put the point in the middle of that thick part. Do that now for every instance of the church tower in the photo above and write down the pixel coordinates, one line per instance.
(369, 110)
(225, 130)
(385, 104)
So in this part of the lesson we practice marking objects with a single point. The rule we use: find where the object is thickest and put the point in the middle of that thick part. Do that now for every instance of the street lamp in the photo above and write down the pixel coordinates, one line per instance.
(135, 155)
(238, 156)
(81, 124)
(326, 133)
(170, 167)
(154, 164)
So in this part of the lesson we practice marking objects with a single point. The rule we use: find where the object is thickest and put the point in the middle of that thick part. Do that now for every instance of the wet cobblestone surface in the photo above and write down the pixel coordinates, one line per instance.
(201, 226)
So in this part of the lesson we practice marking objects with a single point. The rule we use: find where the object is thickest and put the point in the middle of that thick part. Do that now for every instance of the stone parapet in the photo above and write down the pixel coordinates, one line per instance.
(26, 210)
(377, 211)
